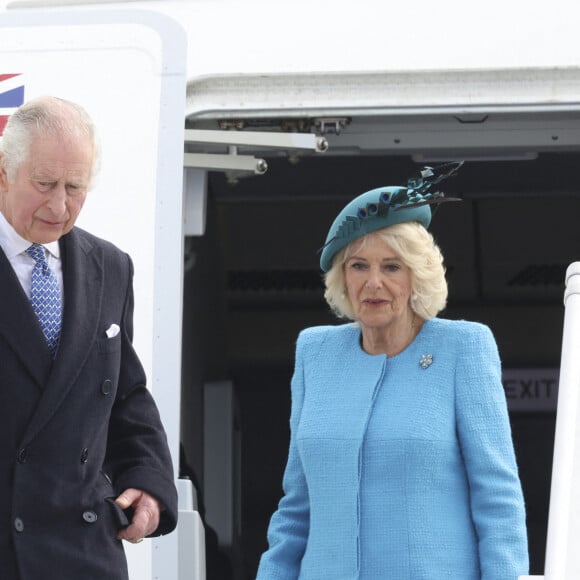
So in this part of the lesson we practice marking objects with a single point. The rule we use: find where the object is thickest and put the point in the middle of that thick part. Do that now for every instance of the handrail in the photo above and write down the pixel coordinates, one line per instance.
(562, 553)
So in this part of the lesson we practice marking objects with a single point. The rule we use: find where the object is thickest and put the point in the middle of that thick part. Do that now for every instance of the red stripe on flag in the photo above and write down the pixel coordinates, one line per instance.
(5, 77)
(3, 121)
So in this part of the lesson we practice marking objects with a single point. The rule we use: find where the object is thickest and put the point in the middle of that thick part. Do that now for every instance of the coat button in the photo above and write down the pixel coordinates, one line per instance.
(107, 387)
(84, 455)
(18, 525)
(90, 517)
(22, 455)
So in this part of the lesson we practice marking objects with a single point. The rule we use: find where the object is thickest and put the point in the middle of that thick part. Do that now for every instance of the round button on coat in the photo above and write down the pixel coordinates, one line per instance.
(90, 517)
(84, 455)
(18, 525)
(107, 387)
(22, 455)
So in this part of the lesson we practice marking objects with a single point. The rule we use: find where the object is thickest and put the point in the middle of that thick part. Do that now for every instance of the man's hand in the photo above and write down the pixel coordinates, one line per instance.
(145, 517)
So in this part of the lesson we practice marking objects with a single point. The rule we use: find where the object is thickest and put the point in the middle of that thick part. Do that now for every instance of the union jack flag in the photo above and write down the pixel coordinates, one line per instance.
(11, 96)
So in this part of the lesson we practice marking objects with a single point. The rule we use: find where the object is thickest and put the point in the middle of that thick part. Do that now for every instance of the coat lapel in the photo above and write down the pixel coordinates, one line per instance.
(82, 264)
(19, 325)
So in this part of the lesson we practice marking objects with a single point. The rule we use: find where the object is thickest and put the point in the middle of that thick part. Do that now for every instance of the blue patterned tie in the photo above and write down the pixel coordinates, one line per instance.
(45, 297)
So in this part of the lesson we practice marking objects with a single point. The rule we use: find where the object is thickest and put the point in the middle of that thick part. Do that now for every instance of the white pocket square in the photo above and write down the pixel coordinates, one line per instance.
(112, 331)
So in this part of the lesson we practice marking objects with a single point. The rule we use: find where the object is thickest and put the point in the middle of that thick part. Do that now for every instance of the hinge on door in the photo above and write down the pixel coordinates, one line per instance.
(232, 139)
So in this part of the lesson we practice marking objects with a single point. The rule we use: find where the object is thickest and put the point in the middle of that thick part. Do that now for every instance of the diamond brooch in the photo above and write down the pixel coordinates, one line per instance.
(426, 361)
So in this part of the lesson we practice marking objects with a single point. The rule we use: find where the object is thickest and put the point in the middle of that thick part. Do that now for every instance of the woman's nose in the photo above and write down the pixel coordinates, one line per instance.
(374, 279)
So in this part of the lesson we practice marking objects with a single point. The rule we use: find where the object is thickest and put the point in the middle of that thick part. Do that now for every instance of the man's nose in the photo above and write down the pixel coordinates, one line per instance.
(57, 201)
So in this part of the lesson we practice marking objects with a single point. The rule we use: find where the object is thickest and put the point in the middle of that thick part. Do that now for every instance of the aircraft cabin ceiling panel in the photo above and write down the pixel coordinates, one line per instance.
(426, 137)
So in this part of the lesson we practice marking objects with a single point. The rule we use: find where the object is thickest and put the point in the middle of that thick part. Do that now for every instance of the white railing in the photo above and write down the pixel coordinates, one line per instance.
(562, 552)
(191, 534)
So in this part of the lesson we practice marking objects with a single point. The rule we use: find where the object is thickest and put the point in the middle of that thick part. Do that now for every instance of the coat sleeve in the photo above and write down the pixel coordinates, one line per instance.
(288, 529)
(138, 455)
(484, 432)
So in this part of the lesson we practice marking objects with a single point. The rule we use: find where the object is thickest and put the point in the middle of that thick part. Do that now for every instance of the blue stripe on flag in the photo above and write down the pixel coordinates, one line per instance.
(12, 98)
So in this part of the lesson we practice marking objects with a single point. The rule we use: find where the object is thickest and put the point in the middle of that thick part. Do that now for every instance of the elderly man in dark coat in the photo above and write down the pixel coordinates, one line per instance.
(84, 461)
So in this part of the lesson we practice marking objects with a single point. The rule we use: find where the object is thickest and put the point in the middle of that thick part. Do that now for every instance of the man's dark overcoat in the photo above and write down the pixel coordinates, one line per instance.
(75, 432)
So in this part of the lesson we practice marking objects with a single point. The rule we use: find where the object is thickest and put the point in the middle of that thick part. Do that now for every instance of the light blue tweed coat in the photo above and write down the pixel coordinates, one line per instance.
(398, 470)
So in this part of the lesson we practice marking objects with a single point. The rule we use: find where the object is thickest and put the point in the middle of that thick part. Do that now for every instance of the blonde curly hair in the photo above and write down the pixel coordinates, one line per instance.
(417, 249)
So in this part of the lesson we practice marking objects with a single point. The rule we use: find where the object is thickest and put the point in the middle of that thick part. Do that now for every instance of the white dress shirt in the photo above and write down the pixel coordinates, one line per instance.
(15, 247)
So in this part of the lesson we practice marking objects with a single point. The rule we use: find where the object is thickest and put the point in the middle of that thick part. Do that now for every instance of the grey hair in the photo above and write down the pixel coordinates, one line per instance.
(45, 116)
(417, 249)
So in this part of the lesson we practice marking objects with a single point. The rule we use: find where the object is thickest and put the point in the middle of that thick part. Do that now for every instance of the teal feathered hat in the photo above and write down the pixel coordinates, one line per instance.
(386, 206)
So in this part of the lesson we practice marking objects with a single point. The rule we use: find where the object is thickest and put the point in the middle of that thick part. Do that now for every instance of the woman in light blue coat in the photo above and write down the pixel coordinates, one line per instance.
(401, 463)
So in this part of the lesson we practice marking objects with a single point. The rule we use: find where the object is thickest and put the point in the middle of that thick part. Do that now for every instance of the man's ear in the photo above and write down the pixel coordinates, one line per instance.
(3, 175)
